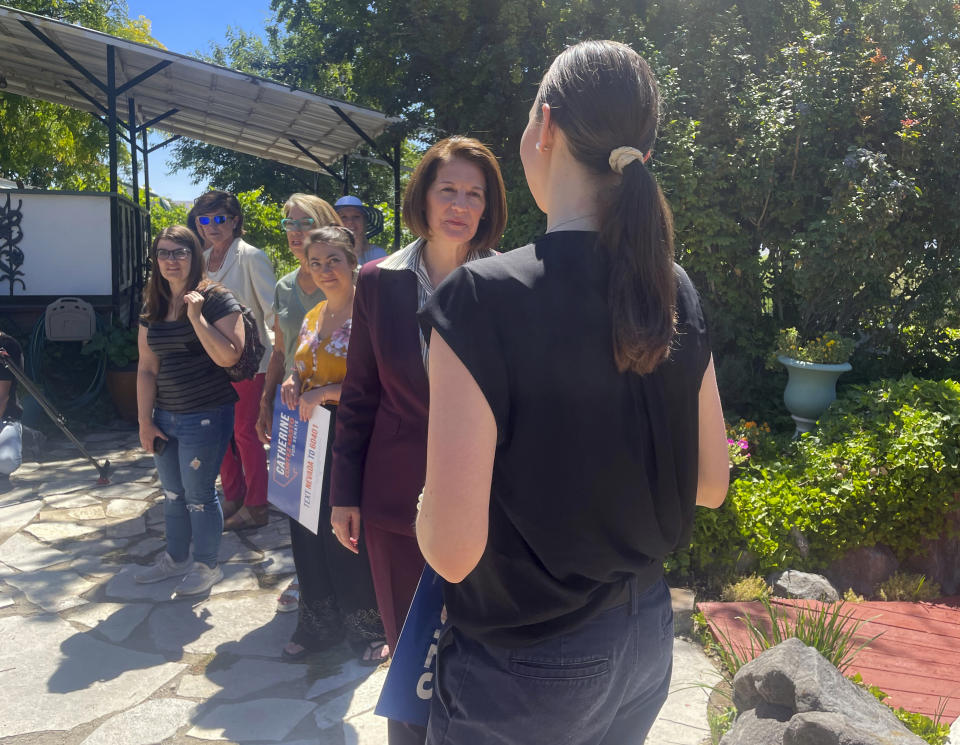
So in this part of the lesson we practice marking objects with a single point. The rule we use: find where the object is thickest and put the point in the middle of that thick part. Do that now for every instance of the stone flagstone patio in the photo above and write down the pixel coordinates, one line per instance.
(88, 657)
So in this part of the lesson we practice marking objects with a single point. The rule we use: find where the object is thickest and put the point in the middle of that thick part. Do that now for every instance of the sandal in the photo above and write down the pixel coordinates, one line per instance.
(373, 655)
(289, 599)
(300, 654)
(247, 517)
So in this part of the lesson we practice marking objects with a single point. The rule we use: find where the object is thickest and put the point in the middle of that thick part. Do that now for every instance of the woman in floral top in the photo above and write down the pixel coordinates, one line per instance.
(336, 590)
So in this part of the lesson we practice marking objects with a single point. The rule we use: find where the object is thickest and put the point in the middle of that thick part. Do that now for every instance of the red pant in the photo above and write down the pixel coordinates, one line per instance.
(396, 564)
(244, 468)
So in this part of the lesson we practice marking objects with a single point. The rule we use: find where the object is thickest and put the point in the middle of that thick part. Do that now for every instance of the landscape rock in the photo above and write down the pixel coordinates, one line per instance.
(126, 507)
(798, 679)
(50, 532)
(53, 590)
(863, 569)
(749, 729)
(794, 584)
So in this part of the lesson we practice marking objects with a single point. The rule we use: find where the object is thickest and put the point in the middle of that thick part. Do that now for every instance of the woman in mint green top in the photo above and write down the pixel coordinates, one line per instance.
(295, 294)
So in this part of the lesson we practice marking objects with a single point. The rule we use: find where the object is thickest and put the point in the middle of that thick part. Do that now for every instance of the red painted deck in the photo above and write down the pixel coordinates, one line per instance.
(916, 659)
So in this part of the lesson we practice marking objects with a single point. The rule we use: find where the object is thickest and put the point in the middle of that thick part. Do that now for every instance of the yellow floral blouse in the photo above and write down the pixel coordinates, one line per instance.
(318, 361)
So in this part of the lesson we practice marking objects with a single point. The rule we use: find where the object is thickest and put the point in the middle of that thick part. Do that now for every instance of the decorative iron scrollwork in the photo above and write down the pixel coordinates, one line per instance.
(11, 257)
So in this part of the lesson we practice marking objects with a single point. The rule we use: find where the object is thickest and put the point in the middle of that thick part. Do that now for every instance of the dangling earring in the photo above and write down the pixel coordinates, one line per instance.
(537, 146)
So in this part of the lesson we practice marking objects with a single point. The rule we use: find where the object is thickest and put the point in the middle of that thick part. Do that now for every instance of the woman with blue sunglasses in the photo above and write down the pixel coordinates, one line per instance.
(248, 274)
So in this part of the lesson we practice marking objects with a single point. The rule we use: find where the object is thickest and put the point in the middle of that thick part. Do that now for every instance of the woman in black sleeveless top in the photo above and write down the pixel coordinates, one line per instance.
(574, 424)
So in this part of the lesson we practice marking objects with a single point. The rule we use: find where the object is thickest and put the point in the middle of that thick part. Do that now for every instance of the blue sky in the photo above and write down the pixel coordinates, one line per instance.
(189, 27)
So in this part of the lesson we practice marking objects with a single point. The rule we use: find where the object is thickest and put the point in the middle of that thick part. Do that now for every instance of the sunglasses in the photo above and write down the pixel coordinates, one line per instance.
(177, 254)
(300, 225)
(216, 219)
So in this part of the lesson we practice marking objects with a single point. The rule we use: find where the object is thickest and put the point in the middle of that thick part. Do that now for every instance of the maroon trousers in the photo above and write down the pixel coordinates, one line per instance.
(243, 471)
(396, 564)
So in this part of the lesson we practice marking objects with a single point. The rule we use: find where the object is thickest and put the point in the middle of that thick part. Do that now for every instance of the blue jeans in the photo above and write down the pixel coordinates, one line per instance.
(188, 470)
(602, 684)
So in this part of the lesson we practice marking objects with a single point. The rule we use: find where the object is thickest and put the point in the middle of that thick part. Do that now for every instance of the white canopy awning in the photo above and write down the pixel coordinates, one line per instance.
(181, 95)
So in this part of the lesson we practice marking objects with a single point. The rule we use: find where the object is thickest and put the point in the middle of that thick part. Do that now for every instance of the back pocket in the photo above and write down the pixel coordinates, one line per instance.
(572, 669)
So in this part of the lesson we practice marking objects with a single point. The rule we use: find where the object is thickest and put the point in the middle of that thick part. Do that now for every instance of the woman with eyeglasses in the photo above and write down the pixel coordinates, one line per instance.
(247, 273)
(295, 294)
(336, 590)
(190, 329)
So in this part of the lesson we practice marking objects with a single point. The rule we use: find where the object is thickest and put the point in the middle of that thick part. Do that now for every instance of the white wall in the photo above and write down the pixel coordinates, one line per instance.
(66, 244)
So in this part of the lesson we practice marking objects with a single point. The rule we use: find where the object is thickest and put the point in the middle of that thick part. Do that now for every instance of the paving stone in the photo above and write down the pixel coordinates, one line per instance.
(130, 528)
(154, 515)
(15, 516)
(126, 507)
(94, 566)
(58, 531)
(94, 512)
(236, 578)
(146, 547)
(53, 590)
(277, 562)
(114, 620)
(26, 554)
(122, 586)
(148, 723)
(350, 672)
(360, 700)
(232, 549)
(269, 538)
(240, 679)
(69, 501)
(21, 492)
(5, 600)
(267, 720)
(66, 485)
(95, 544)
(242, 626)
(366, 729)
(64, 678)
(122, 491)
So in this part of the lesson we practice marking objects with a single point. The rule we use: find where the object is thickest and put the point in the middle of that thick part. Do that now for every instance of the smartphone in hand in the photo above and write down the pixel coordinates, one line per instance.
(159, 444)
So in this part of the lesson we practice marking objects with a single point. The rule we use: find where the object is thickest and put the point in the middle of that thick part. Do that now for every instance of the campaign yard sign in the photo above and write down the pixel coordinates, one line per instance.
(407, 691)
(298, 454)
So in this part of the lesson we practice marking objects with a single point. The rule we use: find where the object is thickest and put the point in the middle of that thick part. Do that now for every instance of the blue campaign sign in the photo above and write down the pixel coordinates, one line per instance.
(298, 452)
(408, 688)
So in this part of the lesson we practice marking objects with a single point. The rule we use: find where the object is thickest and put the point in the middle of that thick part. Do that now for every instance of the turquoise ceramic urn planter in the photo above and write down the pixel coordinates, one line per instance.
(811, 388)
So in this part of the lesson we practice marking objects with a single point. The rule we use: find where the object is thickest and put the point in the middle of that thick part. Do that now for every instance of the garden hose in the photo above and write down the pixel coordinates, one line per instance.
(38, 341)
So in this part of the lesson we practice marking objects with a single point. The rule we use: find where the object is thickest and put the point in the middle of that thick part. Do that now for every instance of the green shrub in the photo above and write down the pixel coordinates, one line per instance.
(883, 468)
(745, 590)
(907, 586)
(829, 630)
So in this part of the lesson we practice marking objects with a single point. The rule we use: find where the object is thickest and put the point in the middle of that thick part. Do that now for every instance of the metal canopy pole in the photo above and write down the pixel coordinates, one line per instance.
(346, 176)
(132, 124)
(317, 160)
(146, 175)
(397, 209)
(112, 115)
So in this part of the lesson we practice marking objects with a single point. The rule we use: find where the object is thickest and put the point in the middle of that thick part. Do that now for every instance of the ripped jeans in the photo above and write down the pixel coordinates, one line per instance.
(188, 470)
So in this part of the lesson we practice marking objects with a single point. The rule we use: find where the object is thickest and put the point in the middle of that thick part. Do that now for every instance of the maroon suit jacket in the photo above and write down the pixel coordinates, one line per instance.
(380, 447)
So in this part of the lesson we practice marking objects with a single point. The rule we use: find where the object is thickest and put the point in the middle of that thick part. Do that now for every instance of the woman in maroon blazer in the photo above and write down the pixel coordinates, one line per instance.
(455, 203)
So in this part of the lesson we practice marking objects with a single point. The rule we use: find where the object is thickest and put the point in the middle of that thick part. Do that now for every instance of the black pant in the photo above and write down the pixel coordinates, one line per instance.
(336, 590)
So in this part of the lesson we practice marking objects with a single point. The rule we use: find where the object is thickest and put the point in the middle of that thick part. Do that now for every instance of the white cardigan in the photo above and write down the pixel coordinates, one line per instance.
(248, 274)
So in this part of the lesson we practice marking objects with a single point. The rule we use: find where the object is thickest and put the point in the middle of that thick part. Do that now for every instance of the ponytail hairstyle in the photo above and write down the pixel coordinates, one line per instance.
(603, 97)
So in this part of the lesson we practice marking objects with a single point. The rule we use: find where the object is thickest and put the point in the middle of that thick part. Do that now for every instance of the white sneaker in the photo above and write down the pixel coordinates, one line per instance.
(163, 568)
(199, 579)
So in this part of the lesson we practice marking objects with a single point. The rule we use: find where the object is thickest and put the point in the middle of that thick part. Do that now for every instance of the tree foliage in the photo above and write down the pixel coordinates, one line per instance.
(808, 147)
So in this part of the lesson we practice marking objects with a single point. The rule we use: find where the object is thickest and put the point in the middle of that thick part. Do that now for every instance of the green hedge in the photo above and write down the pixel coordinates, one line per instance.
(883, 468)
